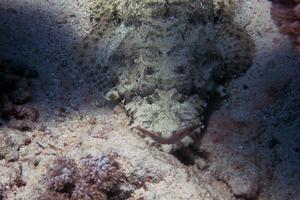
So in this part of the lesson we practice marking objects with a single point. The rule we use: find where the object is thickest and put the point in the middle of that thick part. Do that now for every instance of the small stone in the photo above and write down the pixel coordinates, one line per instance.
(112, 95)
(12, 156)
(245, 87)
(27, 141)
(42, 128)
(22, 94)
(19, 182)
(62, 19)
(118, 110)
(201, 163)
(93, 121)
(36, 162)
(21, 125)
(221, 91)
(20, 97)
(25, 112)
(6, 145)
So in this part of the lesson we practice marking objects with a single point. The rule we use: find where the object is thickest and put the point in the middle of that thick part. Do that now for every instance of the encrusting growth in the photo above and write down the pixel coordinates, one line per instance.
(286, 14)
(94, 178)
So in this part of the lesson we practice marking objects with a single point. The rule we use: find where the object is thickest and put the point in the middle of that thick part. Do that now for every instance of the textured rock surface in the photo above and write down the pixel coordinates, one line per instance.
(286, 15)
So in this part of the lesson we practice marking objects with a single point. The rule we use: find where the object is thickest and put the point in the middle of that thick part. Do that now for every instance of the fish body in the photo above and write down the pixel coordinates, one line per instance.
(164, 59)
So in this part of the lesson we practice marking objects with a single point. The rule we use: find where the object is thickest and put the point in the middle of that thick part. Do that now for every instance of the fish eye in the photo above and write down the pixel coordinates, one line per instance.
(149, 71)
(180, 69)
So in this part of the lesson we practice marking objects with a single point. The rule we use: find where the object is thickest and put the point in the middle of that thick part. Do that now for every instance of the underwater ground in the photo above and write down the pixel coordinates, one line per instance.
(60, 139)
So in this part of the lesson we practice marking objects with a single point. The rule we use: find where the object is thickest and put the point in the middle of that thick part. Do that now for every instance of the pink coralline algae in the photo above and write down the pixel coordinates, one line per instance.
(91, 178)
(96, 178)
(286, 14)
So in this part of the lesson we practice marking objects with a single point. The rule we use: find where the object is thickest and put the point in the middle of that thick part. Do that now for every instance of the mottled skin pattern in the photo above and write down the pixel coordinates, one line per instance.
(163, 58)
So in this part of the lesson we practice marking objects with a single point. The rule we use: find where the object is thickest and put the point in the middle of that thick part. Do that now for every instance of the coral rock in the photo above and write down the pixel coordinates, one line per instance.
(286, 15)
(61, 174)
(93, 179)
(25, 112)
(53, 196)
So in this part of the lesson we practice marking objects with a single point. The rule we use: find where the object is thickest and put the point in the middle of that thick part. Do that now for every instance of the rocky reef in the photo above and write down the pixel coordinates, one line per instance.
(15, 92)
(15, 81)
(286, 14)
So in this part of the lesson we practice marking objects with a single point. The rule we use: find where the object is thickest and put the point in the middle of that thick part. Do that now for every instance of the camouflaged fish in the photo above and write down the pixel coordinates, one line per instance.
(164, 59)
